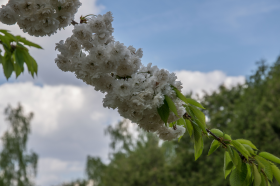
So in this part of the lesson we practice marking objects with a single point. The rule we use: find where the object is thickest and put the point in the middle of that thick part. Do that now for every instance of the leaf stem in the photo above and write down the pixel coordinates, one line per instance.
(216, 137)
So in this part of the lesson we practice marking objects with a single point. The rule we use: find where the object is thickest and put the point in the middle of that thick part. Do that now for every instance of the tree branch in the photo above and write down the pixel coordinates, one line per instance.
(216, 137)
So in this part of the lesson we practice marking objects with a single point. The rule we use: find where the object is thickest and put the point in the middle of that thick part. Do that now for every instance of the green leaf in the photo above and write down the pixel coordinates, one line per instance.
(171, 105)
(217, 132)
(181, 121)
(8, 66)
(198, 142)
(19, 57)
(180, 138)
(270, 157)
(257, 176)
(180, 95)
(188, 110)
(240, 148)
(201, 118)
(247, 142)
(163, 112)
(232, 156)
(266, 166)
(237, 178)
(228, 165)
(276, 172)
(189, 127)
(195, 103)
(18, 70)
(214, 146)
(263, 182)
(28, 43)
(249, 149)
(30, 62)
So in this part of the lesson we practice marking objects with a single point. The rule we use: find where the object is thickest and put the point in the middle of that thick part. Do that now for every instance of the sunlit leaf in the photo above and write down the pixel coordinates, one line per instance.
(237, 178)
(171, 105)
(270, 157)
(240, 148)
(195, 103)
(228, 165)
(249, 149)
(201, 118)
(257, 176)
(217, 132)
(214, 146)
(198, 142)
(247, 142)
(276, 172)
(266, 166)
(189, 127)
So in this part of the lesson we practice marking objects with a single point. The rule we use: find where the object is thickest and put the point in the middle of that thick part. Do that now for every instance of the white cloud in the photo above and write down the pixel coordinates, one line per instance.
(199, 81)
(68, 125)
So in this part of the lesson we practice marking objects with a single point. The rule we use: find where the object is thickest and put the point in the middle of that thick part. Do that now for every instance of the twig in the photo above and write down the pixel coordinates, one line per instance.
(216, 137)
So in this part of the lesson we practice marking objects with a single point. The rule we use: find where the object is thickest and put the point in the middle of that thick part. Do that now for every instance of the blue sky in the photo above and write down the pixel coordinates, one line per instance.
(206, 35)
(206, 43)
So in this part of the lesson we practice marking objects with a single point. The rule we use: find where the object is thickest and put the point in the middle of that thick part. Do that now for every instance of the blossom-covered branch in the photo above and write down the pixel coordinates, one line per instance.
(39, 17)
(135, 90)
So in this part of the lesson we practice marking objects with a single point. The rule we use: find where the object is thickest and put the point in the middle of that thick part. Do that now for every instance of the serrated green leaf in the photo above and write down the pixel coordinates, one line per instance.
(28, 43)
(163, 111)
(201, 118)
(240, 148)
(189, 127)
(232, 156)
(8, 66)
(19, 58)
(266, 166)
(237, 178)
(195, 103)
(214, 146)
(249, 149)
(198, 142)
(238, 160)
(171, 105)
(217, 132)
(270, 157)
(18, 70)
(257, 176)
(228, 165)
(247, 142)
(263, 182)
(276, 172)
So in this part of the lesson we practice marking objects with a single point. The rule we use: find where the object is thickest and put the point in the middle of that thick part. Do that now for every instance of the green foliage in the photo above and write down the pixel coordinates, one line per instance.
(228, 165)
(249, 113)
(16, 54)
(270, 157)
(163, 112)
(214, 146)
(171, 105)
(17, 167)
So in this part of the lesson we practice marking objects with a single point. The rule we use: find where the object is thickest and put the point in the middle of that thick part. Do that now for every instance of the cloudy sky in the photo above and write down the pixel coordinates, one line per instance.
(206, 43)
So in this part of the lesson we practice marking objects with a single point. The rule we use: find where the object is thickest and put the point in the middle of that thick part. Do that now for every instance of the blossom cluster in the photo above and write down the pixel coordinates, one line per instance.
(135, 90)
(39, 17)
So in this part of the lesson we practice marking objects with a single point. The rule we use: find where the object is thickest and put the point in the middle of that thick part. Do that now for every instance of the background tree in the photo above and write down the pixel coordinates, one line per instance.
(17, 166)
(248, 111)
